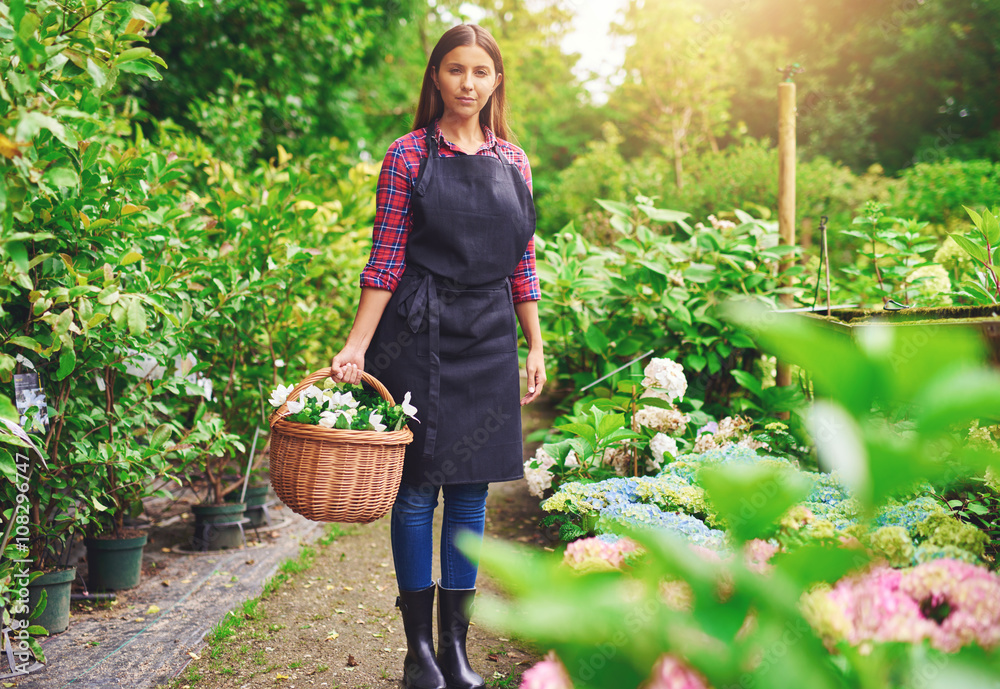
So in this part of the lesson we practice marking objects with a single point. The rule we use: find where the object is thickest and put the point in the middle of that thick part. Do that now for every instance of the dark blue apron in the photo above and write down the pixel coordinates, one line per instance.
(449, 333)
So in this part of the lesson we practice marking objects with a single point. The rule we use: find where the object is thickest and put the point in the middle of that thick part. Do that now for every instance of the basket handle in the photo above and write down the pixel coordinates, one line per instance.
(319, 375)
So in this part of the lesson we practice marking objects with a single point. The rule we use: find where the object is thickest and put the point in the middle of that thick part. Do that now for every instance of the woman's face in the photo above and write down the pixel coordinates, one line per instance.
(466, 78)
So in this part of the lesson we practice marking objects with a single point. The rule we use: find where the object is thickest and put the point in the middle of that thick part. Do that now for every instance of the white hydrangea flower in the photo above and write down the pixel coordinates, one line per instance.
(660, 446)
(671, 421)
(667, 375)
(295, 406)
(280, 395)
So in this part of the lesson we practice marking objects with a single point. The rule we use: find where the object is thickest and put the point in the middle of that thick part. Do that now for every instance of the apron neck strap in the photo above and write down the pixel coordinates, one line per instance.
(432, 142)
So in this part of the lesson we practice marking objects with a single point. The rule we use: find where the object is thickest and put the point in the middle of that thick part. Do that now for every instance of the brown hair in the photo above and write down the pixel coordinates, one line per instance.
(431, 107)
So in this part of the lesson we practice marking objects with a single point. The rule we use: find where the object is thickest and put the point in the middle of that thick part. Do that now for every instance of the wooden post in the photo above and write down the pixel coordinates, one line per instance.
(786, 193)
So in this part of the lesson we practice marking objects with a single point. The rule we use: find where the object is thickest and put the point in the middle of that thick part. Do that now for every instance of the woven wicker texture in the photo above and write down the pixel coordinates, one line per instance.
(331, 474)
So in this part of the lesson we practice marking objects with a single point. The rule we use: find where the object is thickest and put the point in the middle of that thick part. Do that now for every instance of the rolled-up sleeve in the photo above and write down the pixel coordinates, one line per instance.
(393, 222)
(524, 281)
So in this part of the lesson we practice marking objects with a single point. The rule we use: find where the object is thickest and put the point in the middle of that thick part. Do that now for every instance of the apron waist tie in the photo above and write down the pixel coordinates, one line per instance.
(427, 304)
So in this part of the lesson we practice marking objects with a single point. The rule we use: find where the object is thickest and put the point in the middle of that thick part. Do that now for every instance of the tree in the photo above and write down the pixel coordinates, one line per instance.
(676, 92)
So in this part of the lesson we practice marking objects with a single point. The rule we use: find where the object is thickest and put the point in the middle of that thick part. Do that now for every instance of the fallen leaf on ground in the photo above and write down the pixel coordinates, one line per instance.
(351, 662)
(194, 656)
(153, 609)
(331, 636)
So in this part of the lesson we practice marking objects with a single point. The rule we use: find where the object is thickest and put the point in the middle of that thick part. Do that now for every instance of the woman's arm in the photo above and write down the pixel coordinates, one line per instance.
(534, 367)
(348, 364)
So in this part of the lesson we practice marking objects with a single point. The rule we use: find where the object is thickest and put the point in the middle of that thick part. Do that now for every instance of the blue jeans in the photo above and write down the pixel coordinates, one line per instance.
(412, 526)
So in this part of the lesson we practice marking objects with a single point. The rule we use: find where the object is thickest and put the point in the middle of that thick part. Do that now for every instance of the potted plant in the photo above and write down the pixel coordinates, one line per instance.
(120, 466)
(209, 449)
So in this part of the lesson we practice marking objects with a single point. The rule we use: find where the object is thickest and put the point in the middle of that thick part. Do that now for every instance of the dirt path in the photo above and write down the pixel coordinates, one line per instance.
(334, 623)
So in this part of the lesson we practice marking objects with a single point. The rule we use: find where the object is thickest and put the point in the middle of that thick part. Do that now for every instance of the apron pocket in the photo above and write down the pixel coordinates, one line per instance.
(476, 323)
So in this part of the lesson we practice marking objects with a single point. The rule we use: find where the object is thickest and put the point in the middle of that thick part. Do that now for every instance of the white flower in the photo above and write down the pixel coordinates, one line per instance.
(279, 363)
(659, 419)
(280, 395)
(660, 446)
(295, 406)
(667, 375)
(347, 400)
(328, 419)
(313, 392)
(539, 479)
(408, 408)
(375, 423)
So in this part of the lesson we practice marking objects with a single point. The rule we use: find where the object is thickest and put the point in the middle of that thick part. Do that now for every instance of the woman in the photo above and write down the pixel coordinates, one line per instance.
(452, 263)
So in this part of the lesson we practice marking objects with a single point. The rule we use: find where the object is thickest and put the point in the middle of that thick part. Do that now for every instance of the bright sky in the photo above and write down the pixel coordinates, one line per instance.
(600, 52)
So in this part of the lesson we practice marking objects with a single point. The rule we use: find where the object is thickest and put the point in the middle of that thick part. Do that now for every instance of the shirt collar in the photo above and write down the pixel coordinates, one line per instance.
(491, 139)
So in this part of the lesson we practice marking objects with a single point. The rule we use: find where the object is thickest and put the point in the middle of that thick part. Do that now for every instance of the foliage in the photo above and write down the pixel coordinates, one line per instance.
(936, 190)
(657, 287)
(902, 244)
(628, 623)
(983, 245)
(303, 60)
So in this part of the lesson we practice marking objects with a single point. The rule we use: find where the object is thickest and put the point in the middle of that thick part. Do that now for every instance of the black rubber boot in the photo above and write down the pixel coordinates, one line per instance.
(420, 668)
(453, 627)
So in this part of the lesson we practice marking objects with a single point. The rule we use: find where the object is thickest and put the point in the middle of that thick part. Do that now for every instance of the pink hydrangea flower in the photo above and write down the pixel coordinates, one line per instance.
(671, 673)
(947, 602)
(546, 674)
(593, 554)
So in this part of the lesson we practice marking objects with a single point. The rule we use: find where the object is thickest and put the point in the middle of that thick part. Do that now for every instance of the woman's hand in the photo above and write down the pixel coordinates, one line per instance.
(534, 367)
(348, 364)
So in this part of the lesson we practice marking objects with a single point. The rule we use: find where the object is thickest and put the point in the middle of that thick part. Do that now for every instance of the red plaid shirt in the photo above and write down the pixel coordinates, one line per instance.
(394, 218)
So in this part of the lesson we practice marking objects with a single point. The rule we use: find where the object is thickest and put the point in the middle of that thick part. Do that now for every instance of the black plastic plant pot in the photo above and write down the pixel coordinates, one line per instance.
(256, 498)
(218, 527)
(57, 585)
(114, 564)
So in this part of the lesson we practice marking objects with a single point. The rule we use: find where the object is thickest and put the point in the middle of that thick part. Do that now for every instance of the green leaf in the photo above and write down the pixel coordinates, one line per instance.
(129, 258)
(43, 601)
(8, 410)
(596, 340)
(136, 317)
(8, 468)
(62, 177)
(133, 54)
(991, 228)
(977, 252)
(695, 362)
(977, 219)
(143, 13)
(33, 122)
(97, 72)
(26, 342)
(616, 207)
(160, 435)
(109, 295)
(67, 362)
(748, 381)
(19, 254)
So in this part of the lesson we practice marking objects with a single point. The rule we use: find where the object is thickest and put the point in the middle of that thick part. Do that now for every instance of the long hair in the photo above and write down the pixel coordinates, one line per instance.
(431, 107)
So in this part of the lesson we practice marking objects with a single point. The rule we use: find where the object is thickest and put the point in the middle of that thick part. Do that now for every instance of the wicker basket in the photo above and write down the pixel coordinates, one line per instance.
(331, 474)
